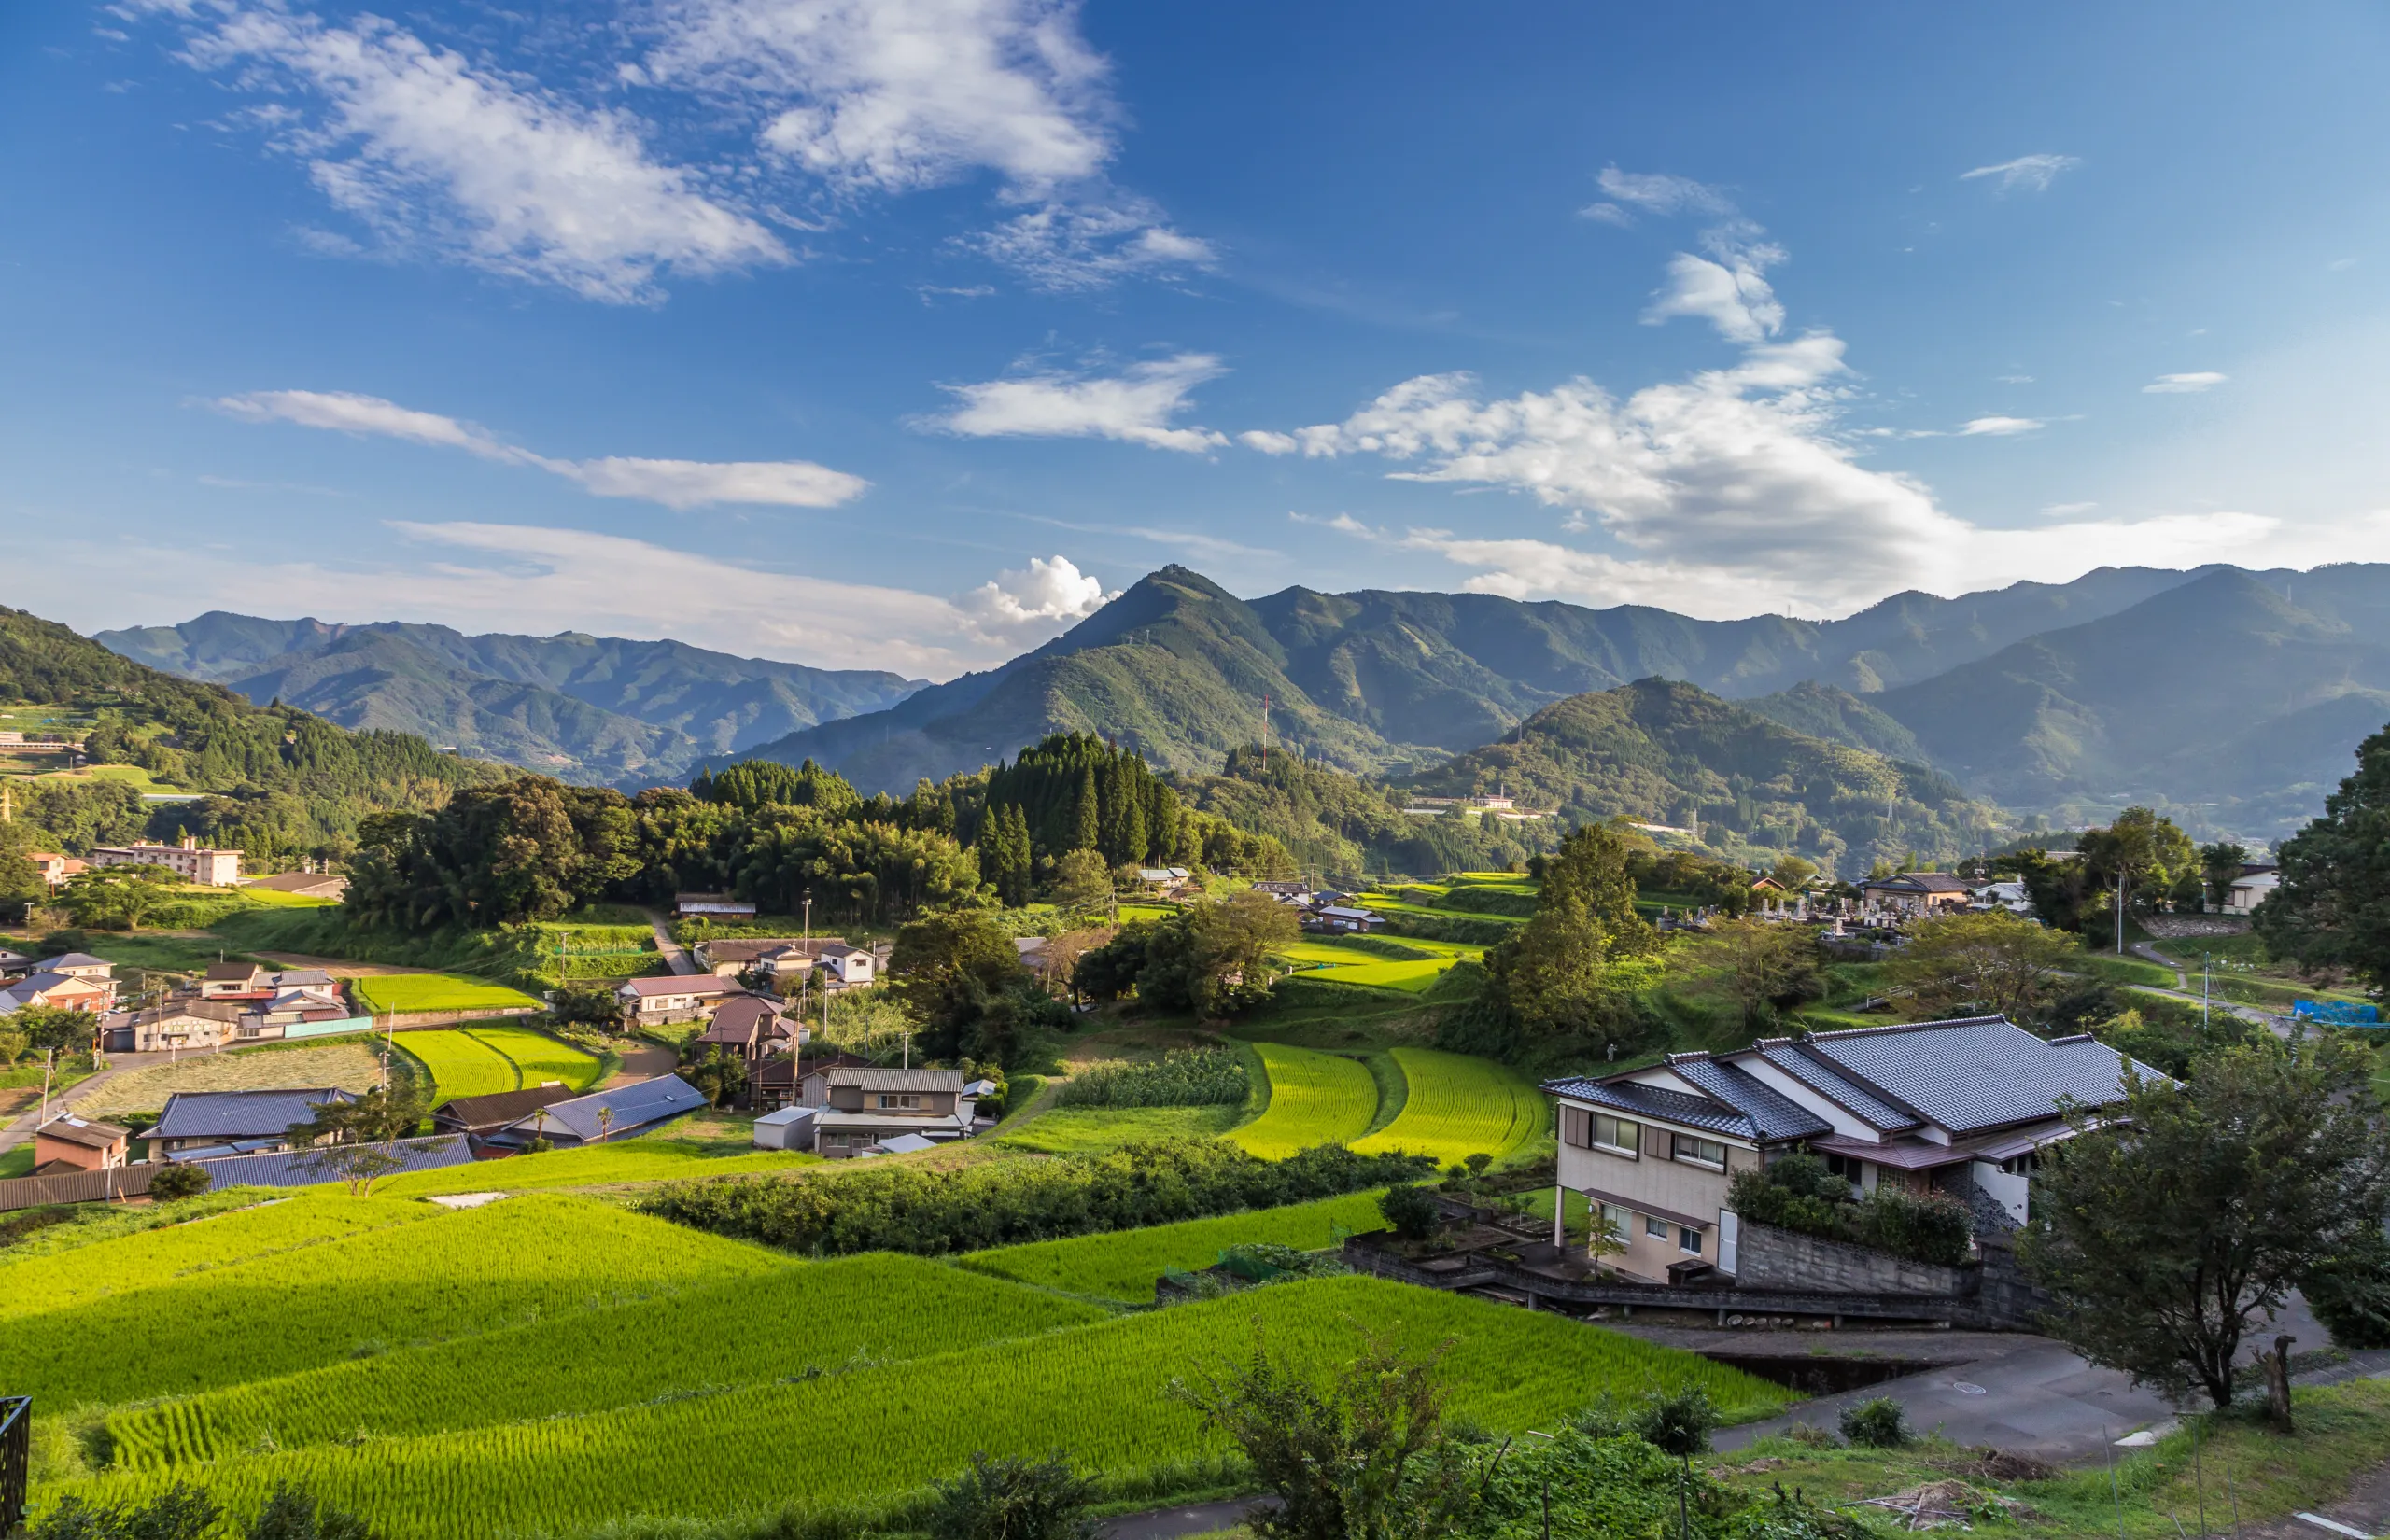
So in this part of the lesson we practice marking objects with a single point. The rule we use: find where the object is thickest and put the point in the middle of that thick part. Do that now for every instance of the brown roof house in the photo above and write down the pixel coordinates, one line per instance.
(748, 1026)
(187, 1024)
(484, 1115)
(672, 996)
(235, 981)
(1915, 894)
(80, 1143)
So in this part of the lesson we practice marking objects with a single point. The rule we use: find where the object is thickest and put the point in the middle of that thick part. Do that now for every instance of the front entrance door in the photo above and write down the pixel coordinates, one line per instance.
(1730, 1226)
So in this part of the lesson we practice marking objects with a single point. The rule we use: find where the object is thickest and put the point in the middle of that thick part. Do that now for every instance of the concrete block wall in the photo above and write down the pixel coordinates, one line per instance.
(1773, 1258)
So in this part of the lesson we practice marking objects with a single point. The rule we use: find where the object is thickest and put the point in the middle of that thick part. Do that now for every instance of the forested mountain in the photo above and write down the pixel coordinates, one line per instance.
(282, 783)
(1838, 716)
(2237, 699)
(1665, 753)
(587, 708)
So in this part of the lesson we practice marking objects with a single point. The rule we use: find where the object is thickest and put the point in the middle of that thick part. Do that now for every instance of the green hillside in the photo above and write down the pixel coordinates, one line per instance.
(280, 782)
(2235, 699)
(1665, 753)
(587, 708)
(1838, 716)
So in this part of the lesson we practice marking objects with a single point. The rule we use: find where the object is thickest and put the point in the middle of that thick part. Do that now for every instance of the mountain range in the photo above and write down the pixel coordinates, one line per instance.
(588, 708)
(2231, 699)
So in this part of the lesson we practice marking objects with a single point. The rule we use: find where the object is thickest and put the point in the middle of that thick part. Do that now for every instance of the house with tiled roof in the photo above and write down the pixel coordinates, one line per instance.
(1914, 895)
(1958, 1107)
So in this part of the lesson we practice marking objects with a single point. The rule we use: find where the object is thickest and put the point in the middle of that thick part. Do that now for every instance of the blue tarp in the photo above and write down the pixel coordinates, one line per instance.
(2335, 1013)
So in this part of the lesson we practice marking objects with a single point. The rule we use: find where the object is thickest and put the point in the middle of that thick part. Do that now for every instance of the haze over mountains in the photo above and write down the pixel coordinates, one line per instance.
(2232, 698)
(585, 708)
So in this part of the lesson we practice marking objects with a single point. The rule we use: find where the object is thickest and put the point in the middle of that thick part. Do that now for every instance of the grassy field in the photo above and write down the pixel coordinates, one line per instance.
(1066, 1130)
(350, 1065)
(459, 1063)
(538, 1057)
(1326, 959)
(1123, 1264)
(305, 1306)
(382, 992)
(804, 1319)
(1460, 1106)
(874, 1433)
(1315, 1099)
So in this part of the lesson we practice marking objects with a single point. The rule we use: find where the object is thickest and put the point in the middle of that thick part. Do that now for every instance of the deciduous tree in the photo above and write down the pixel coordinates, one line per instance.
(1995, 964)
(1754, 967)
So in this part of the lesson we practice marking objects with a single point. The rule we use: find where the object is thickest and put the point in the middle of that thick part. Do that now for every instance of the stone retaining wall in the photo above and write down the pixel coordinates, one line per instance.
(1768, 1257)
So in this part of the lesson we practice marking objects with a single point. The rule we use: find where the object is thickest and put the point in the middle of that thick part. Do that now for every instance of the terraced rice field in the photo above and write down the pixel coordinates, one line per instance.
(479, 1061)
(1347, 965)
(1458, 1106)
(1066, 1130)
(805, 1317)
(593, 1166)
(1096, 1391)
(1123, 1264)
(381, 992)
(313, 1302)
(1315, 1099)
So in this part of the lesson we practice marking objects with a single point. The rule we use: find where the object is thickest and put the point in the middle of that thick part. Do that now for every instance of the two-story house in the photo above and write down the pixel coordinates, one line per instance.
(1959, 1107)
(858, 1107)
(672, 996)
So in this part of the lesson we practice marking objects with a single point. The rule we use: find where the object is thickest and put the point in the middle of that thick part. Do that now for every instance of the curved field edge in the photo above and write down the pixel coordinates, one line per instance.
(1458, 1106)
(877, 1434)
(1123, 1265)
(1315, 1099)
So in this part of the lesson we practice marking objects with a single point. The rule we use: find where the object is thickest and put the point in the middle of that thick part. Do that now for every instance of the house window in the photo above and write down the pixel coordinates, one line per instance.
(1656, 1229)
(1617, 1135)
(1688, 1240)
(1619, 1220)
(1576, 1127)
(1698, 1151)
(891, 1101)
(1846, 1166)
(2022, 1165)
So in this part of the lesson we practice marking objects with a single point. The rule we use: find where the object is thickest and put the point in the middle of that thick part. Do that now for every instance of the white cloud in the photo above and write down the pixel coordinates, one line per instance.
(1661, 193)
(676, 483)
(1135, 406)
(2067, 510)
(1732, 295)
(1998, 427)
(1608, 214)
(2184, 384)
(1062, 246)
(890, 96)
(432, 154)
(2031, 172)
(1044, 600)
(1261, 438)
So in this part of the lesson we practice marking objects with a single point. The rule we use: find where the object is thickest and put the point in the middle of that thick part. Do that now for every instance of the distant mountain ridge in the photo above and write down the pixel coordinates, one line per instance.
(585, 708)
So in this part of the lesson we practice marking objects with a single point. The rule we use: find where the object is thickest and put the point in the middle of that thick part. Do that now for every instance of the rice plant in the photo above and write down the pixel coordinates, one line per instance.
(1315, 1099)
(1460, 1106)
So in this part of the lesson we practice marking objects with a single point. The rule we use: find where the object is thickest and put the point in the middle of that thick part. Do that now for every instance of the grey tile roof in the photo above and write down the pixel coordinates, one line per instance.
(1977, 1073)
(1773, 1115)
(240, 1114)
(1828, 1081)
(638, 1105)
(72, 960)
(302, 1168)
(899, 1080)
(682, 983)
(1658, 1101)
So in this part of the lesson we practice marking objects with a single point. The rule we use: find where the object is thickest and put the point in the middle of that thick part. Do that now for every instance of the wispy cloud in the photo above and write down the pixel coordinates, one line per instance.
(2184, 384)
(1659, 192)
(1998, 427)
(2027, 172)
(1134, 406)
(1729, 288)
(1062, 247)
(435, 156)
(676, 483)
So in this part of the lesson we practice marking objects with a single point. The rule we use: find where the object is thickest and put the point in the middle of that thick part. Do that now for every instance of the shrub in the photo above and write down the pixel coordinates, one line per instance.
(1798, 1192)
(290, 1514)
(179, 1513)
(1877, 1424)
(1676, 1422)
(1412, 1212)
(177, 1183)
(965, 1209)
(2351, 1293)
(1934, 1228)
(1198, 1077)
(1013, 1499)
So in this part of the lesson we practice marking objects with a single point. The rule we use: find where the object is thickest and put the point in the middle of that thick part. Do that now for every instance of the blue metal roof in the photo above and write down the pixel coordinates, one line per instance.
(638, 1105)
(303, 1168)
(240, 1114)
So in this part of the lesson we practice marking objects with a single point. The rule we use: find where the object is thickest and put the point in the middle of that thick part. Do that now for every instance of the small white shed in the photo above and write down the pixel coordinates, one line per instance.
(790, 1129)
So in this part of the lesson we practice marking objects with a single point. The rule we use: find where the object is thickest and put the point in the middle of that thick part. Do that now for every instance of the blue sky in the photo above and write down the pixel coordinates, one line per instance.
(899, 333)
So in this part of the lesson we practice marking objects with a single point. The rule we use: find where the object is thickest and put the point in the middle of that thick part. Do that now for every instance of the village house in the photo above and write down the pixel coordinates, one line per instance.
(788, 957)
(81, 965)
(198, 1123)
(187, 1024)
(748, 1026)
(67, 1143)
(235, 981)
(1958, 1107)
(602, 1116)
(480, 1116)
(55, 868)
(1913, 895)
(1342, 920)
(14, 963)
(72, 991)
(189, 860)
(672, 996)
(2256, 881)
(772, 1080)
(858, 1108)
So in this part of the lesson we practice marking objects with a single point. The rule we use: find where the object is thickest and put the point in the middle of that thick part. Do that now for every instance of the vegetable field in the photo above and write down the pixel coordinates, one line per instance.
(308, 1305)
(382, 993)
(1315, 1099)
(875, 1433)
(1124, 1264)
(803, 1318)
(1460, 1106)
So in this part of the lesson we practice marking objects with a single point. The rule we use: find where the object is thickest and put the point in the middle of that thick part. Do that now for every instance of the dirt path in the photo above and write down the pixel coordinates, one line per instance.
(645, 1062)
(339, 967)
(676, 956)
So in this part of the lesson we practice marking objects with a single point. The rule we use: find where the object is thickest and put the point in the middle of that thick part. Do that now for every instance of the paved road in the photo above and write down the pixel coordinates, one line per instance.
(676, 956)
(20, 1129)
